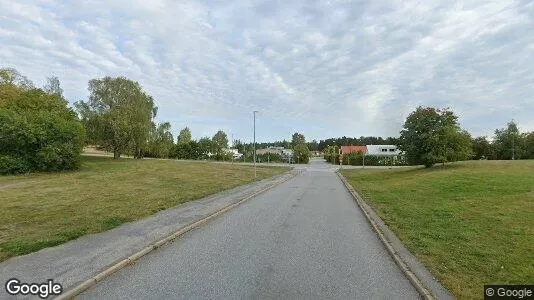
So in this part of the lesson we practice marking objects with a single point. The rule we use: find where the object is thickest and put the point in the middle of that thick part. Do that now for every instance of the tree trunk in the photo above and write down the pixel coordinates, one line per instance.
(116, 154)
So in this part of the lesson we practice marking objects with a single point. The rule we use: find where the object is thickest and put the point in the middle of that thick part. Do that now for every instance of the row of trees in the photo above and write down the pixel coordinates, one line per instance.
(354, 141)
(39, 132)
(507, 143)
(431, 136)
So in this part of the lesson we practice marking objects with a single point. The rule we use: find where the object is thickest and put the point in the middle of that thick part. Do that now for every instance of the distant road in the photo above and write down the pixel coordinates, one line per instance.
(304, 239)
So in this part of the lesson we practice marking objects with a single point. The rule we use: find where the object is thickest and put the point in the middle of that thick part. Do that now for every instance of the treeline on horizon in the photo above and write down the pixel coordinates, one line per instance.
(40, 132)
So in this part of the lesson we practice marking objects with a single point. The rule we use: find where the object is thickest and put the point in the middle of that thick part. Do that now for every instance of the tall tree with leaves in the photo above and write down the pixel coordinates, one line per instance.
(433, 135)
(482, 148)
(301, 153)
(161, 140)
(118, 114)
(297, 139)
(184, 137)
(53, 86)
(219, 142)
(509, 142)
(204, 147)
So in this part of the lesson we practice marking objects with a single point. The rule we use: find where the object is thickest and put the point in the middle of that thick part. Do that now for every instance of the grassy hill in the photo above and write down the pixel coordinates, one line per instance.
(47, 209)
(471, 223)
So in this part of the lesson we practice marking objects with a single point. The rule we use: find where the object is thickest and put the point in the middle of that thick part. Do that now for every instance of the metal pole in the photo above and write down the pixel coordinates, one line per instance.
(254, 113)
(513, 143)
(513, 147)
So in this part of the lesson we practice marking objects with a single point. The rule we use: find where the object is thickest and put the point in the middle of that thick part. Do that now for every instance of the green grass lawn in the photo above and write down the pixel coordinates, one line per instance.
(47, 209)
(471, 223)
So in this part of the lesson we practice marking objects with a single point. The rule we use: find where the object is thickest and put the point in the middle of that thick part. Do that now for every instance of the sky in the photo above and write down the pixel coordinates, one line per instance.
(322, 68)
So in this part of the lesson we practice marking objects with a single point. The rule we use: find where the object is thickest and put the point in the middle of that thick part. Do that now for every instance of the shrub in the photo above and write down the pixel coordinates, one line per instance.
(38, 132)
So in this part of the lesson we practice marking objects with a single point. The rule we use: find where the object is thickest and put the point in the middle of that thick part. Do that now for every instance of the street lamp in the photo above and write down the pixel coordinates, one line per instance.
(254, 113)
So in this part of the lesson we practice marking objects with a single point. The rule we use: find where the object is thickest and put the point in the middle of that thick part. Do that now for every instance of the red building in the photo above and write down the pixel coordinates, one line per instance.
(345, 150)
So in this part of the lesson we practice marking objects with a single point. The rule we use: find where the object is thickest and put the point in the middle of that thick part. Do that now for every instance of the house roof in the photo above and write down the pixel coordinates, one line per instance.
(353, 149)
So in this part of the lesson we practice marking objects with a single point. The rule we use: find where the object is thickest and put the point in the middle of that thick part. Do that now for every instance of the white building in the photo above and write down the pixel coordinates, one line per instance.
(234, 152)
(383, 150)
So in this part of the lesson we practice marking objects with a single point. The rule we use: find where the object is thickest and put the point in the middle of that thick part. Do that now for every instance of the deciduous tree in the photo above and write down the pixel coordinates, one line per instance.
(184, 137)
(433, 135)
(219, 142)
(118, 114)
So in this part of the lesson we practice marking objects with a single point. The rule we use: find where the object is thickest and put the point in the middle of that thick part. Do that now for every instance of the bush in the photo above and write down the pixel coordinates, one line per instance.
(355, 159)
(12, 165)
(38, 132)
(272, 157)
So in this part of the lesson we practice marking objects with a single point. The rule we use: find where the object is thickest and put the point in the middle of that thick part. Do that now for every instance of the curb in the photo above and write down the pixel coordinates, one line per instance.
(416, 282)
(82, 287)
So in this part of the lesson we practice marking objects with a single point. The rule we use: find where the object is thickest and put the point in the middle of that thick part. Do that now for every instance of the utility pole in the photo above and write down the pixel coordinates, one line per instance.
(513, 143)
(254, 113)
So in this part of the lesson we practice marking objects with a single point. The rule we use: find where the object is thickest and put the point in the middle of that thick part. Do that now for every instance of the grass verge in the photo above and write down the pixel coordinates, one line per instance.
(47, 209)
(471, 223)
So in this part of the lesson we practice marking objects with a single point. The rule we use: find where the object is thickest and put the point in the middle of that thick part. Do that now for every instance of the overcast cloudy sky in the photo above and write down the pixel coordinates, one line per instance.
(323, 68)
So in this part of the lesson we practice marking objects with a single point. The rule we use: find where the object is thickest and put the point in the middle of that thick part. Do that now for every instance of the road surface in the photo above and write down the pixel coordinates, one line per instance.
(304, 239)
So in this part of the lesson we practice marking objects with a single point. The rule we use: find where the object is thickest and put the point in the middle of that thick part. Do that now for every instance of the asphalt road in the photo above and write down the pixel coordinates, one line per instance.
(304, 239)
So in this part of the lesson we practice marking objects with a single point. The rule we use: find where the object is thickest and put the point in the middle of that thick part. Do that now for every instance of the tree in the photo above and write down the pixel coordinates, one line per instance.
(53, 86)
(482, 148)
(38, 131)
(185, 136)
(529, 145)
(161, 140)
(313, 145)
(219, 142)
(433, 135)
(204, 147)
(297, 139)
(10, 77)
(508, 142)
(301, 153)
(118, 114)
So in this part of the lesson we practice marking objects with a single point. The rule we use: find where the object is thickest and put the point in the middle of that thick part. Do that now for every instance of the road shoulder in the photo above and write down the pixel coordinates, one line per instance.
(425, 283)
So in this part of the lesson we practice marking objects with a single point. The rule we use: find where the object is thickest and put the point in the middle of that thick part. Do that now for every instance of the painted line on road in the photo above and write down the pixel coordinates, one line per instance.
(422, 289)
(75, 291)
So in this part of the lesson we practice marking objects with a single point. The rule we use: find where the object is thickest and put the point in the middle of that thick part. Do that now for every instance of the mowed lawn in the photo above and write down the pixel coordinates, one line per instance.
(471, 223)
(47, 209)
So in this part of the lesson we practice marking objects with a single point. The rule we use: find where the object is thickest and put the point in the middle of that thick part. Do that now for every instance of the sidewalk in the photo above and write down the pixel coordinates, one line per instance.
(72, 263)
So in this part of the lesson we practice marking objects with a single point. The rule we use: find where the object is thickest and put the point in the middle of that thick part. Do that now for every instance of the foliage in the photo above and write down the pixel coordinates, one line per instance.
(529, 145)
(269, 157)
(482, 148)
(297, 139)
(361, 141)
(160, 142)
(53, 86)
(184, 137)
(301, 153)
(38, 132)
(188, 150)
(10, 77)
(331, 154)
(118, 114)
(509, 143)
(218, 143)
(204, 147)
(433, 135)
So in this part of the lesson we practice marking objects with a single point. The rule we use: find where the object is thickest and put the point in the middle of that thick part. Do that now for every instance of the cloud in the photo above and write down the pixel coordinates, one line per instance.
(325, 68)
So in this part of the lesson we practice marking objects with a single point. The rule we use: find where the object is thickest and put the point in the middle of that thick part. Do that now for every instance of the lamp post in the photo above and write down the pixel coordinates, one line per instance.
(254, 113)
